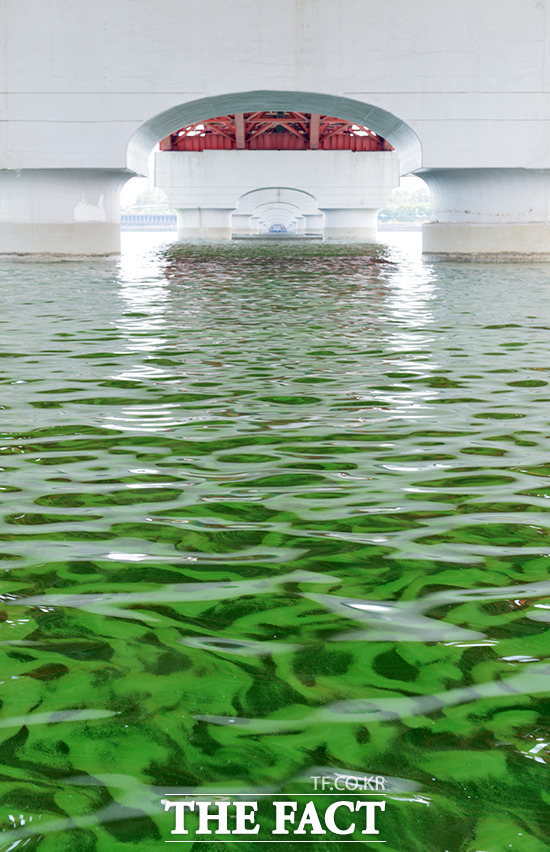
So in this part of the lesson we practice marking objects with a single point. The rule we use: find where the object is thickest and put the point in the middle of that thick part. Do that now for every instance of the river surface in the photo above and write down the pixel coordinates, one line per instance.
(268, 521)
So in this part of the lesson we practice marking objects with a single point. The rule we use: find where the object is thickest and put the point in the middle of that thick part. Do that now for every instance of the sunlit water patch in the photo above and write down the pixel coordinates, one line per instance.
(272, 512)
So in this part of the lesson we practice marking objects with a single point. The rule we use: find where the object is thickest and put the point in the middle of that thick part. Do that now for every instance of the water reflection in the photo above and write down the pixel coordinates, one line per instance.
(269, 517)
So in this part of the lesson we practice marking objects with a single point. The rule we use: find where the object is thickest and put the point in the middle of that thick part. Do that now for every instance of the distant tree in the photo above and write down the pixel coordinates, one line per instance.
(407, 205)
(148, 197)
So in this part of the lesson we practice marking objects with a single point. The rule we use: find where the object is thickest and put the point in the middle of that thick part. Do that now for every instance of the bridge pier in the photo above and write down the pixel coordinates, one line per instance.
(65, 212)
(350, 223)
(242, 225)
(314, 223)
(204, 223)
(488, 214)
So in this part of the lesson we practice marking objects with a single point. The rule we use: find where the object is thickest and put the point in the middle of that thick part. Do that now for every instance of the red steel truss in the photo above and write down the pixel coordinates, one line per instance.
(275, 131)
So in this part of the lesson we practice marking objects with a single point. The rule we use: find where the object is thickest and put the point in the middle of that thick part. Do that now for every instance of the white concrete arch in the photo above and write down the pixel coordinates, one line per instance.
(289, 204)
(269, 212)
(283, 206)
(299, 198)
(278, 214)
(399, 134)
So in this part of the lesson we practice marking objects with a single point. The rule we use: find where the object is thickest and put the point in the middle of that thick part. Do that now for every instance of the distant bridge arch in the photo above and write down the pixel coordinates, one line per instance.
(298, 198)
(277, 204)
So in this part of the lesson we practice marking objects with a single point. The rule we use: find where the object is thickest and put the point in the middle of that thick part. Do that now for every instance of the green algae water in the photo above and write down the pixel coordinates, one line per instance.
(275, 513)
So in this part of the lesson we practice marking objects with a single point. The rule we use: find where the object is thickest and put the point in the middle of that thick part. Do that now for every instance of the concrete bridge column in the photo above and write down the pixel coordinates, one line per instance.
(204, 223)
(313, 223)
(488, 214)
(241, 224)
(67, 212)
(350, 223)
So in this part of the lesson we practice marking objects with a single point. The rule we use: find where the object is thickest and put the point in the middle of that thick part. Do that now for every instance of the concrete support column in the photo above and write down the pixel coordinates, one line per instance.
(313, 223)
(65, 212)
(488, 214)
(241, 224)
(204, 223)
(350, 223)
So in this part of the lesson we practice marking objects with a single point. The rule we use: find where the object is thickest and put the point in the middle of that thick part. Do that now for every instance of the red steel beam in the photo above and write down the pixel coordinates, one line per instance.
(279, 129)
(314, 131)
(239, 130)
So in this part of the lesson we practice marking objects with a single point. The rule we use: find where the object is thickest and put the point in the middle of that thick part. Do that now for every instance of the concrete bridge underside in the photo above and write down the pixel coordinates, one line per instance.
(204, 187)
(461, 93)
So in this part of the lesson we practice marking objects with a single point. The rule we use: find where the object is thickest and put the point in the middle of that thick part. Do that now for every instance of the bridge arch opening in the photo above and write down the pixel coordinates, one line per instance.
(265, 194)
(277, 216)
(399, 134)
(259, 210)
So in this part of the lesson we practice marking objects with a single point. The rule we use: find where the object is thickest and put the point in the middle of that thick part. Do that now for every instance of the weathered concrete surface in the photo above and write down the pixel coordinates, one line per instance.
(458, 241)
(60, 211)
(488, 212)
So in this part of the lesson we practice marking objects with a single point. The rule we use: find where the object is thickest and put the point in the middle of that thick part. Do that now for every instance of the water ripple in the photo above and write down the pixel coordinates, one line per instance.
(273, 514)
